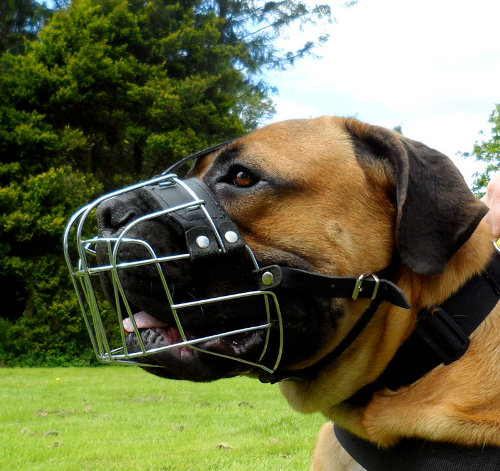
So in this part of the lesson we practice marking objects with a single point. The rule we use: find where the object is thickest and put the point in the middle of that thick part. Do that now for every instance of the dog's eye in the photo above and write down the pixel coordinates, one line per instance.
(243, 178)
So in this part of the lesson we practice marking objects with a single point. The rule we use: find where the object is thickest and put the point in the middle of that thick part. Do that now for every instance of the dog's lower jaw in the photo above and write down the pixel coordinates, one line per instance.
(200, 362)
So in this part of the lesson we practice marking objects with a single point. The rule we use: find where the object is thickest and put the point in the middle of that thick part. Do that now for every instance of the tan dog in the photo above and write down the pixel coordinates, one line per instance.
(345, 222)
(342, 198)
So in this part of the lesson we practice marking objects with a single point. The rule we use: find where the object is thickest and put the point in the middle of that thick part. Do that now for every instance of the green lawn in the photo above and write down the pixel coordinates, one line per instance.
(121, 418)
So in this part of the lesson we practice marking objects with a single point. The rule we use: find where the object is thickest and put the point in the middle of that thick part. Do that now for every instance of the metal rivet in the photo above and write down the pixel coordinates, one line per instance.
(231, 236)
(267, 278)
(202, 241)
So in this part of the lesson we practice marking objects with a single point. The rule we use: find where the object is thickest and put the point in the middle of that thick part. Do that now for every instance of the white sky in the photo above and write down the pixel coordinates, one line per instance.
(431, 66)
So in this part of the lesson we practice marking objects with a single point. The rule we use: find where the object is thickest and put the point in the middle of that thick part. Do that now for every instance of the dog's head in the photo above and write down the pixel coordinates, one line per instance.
(328, 195)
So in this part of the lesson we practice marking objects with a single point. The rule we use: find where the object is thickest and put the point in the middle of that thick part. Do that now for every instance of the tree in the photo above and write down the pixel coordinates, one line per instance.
(487, 151)
(114, 91)
(254, 26)
(146, 83)
(20, 20)
(40, 318)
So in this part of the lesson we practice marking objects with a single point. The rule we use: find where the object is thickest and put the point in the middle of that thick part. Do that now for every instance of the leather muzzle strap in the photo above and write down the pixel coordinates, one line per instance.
(193, 221)
(366, 286)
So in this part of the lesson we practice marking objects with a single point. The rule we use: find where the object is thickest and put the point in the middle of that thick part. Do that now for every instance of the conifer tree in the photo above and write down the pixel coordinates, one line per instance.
(113, 91)
(20, 20)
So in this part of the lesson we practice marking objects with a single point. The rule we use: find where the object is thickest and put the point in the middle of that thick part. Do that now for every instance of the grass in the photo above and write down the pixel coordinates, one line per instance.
(121, 418)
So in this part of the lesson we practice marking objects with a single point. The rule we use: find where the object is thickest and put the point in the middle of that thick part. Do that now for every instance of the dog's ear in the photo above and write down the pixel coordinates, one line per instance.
(436, 211)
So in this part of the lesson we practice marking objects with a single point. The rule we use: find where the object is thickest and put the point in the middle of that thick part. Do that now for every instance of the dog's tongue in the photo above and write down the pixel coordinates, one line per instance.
(143, 321)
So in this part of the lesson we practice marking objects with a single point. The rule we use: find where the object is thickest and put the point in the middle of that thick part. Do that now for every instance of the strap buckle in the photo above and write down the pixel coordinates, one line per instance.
(496, 246)
(358, 285)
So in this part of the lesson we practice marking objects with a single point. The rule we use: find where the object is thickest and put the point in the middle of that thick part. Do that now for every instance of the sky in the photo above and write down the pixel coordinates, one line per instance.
(429, 66)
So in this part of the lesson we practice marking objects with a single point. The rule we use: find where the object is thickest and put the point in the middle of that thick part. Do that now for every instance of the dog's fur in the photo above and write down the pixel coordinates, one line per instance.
(349, 196)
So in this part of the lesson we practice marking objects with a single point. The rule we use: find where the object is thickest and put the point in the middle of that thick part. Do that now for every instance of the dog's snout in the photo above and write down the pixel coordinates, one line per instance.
(115, 213)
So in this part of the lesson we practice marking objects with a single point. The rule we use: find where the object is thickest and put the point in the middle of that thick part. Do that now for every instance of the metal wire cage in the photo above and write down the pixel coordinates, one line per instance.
(107, 333)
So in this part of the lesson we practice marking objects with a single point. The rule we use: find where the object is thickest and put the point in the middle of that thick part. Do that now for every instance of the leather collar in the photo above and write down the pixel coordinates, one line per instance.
(441, 334)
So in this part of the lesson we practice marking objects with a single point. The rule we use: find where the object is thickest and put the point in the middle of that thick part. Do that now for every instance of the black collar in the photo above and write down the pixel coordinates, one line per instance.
(419, 455)
(441, 334)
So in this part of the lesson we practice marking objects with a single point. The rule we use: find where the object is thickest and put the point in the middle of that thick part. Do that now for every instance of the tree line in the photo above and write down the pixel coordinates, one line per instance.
(95, 94)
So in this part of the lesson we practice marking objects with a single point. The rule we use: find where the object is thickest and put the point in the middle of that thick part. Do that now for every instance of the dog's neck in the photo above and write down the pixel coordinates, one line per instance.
(371, 354)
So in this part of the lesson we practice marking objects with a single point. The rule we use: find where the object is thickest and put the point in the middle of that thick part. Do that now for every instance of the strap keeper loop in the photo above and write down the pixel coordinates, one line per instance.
(443, 335)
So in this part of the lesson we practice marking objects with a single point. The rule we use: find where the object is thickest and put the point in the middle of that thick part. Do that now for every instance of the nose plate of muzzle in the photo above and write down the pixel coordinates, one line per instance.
(208, 233)
(207, 228)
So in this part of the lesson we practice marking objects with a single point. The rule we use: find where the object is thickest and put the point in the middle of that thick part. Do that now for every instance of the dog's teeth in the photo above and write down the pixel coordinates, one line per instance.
(162, 332)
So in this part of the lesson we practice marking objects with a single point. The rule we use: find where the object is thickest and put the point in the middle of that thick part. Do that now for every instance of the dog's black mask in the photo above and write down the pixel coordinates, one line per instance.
(199, 277)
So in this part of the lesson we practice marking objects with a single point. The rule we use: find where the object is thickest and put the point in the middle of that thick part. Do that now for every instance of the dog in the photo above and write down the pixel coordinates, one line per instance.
(336, 197)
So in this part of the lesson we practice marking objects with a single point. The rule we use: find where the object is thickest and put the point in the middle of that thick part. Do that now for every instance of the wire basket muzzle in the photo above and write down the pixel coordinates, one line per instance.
(209, 234)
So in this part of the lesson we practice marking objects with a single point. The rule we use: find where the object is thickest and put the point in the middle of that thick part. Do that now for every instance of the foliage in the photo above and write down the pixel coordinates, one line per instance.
(96, 72)
(108, 92)
(487, 151)
(20, 20)
(146, 83)
(37, 293)
(254, 25)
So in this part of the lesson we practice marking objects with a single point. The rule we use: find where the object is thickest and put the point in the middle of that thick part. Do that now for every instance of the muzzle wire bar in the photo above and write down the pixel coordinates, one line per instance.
(90, 268)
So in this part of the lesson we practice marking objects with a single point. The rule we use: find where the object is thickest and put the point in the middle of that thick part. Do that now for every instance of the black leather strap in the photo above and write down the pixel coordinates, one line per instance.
(197, 155)
(193, 221)
(309, 373)
(331, 286)
(374, 287)
(419, 455)
(441, 335)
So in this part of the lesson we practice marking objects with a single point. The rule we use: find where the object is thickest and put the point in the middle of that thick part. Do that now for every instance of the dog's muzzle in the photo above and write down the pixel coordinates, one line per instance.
(209, 235)
(188, 211)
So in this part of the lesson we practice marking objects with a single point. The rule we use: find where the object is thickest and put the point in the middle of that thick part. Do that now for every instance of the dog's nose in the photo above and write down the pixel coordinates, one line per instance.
(115, 213)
